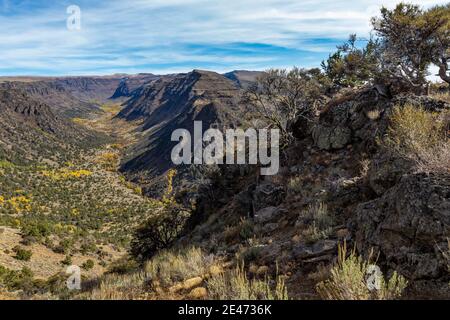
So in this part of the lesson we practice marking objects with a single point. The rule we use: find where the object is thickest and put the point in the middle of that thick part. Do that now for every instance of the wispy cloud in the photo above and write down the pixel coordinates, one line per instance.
(176, 35)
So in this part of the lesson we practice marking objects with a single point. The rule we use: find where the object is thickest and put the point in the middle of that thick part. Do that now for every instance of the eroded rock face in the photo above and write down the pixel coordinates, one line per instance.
(327, 138)
(268, 214)
(410, 226)
(385, 171)
(357, 120)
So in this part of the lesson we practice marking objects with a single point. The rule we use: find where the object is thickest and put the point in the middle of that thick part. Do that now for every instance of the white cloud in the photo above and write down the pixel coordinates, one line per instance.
(123, 34)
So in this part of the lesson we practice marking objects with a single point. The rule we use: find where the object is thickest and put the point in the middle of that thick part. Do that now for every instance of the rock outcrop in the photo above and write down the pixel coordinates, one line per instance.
(410, 227)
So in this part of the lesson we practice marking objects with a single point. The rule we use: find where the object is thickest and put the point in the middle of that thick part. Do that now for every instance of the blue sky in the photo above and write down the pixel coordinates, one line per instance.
(168, 36)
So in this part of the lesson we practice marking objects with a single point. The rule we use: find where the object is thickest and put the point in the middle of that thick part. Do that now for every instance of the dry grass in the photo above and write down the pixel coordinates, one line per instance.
(295, 185)
(365, 166)
(442, 96)
(175, 275)
(120, 287)
(235, 285)
(169, 267)
(420, 136)
(349, 281)
(318, 221)
(160, 275)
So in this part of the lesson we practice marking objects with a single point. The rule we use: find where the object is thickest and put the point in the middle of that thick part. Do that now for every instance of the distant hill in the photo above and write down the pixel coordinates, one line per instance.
(174, 102)
(68, 96)
(29, 130)
(243, 78)
(129, 84)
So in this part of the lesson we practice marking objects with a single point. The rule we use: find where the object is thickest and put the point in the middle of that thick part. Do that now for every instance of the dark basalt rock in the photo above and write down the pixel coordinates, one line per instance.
(409, 226)
(268, 195)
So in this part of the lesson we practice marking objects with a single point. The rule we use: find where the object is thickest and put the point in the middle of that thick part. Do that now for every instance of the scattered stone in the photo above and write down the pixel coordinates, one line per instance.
(192, 283)
(317, 249)
(175, 288)
(267, 214)
(198, 293)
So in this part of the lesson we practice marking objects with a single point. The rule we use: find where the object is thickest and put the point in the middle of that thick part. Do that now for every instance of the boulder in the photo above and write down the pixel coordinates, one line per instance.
(268, 214)
(268, 194)
(386, 171)
(198, 293)
(192, 283)
(409, 226)
(320, 248)
(328, 138)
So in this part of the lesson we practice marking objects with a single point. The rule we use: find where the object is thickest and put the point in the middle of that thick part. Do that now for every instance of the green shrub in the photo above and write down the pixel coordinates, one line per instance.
(348, 281)
(64, 246)
(158, 232)
(123, 266)
(249, 254)
(67, 261)
(316, 221)
(22, 254)
(17, 280)
(36, 229)
(246, 227)
(88, 265)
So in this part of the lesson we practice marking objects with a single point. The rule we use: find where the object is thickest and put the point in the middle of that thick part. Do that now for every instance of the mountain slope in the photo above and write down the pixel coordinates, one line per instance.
(31, 131)
(71, 97)
(130, 84)
(90, 89)
(61, 101)
(172, 103)
(243, 78)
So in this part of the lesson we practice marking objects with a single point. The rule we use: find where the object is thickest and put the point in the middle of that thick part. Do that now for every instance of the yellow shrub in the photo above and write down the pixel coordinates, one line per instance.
(168, 197)
(108, 160)
(19, 204)
(65, 174)
(348, 281)
(138, 191)
(420, 136)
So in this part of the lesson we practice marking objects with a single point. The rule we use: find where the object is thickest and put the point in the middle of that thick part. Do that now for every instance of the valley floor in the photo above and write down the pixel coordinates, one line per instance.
(79, 211)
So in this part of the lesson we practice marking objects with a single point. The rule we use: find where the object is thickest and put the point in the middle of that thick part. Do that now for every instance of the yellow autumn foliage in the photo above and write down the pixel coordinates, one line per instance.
(18, 204)
(168, 197)
(65, 174)
(108, 160)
